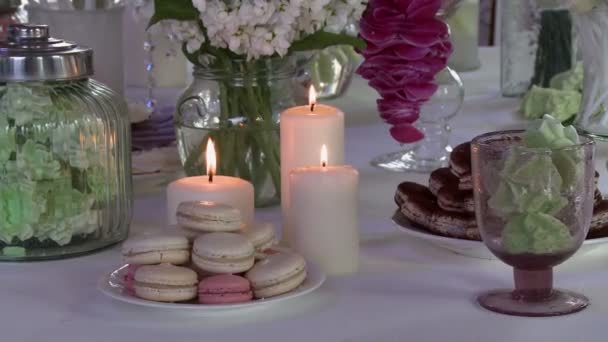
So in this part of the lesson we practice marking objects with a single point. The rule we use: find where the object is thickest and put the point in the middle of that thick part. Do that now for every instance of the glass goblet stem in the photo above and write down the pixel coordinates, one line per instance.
(533, 285)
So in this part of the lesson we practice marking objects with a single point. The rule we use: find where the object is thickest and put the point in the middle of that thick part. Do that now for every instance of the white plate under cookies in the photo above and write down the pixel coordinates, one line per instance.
(112, 285)
(470, 248)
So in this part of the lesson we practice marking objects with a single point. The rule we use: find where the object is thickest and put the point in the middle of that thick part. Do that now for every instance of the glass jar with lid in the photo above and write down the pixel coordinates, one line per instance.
(65, 172)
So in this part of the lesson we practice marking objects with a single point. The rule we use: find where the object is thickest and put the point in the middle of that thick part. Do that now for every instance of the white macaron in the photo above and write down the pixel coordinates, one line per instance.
(221, 253)
(277, 274)
(208, 217)
(166, 283)
(262, 236)
(155, 249)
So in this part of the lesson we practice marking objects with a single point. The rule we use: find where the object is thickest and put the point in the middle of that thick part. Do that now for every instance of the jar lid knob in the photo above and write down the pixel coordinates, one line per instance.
(28, 32)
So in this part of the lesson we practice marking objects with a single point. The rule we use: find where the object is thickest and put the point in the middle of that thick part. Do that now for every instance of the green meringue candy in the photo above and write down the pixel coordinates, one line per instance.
(569, 80)
(550, 133)
(528, 184)
(531, 186)
(53, 167)
(535, 233)
(563, 104)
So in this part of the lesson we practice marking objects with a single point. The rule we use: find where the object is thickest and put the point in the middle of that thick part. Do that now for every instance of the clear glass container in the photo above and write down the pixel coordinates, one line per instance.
(332, 69)
(237, 104)
(592, 29)
(65, 169)
(464, 34)
(537, 43)
(431, 152)
(534, 208)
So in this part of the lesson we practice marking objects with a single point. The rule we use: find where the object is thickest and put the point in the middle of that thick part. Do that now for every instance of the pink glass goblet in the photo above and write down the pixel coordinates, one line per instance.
(533, 208)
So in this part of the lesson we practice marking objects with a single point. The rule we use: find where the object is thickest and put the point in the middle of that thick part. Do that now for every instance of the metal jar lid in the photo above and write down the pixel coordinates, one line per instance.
(30, 54)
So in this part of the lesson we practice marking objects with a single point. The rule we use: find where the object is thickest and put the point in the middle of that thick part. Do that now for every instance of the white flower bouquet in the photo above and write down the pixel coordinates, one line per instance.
(245, 43)
(258, 28)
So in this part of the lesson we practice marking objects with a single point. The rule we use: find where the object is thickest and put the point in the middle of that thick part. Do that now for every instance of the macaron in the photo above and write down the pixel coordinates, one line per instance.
(166, 283)
(208, 217)
(277, 274)
(262, 236)
(156, 249)
(224, 289)
(129, 278)
(221, 253)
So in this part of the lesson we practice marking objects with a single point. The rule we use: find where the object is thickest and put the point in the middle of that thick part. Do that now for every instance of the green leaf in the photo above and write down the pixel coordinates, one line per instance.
(321, 39)
(173, 9)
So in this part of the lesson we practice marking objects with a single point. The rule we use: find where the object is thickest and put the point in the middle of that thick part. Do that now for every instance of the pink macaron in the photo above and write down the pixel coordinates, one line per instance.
(129, 278)
(224, 289)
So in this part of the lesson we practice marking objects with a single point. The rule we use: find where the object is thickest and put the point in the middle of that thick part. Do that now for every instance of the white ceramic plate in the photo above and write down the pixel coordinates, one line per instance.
(473, 249)
(112, 285)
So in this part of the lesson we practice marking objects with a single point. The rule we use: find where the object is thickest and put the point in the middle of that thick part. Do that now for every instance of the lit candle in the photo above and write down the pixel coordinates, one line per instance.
(232, 191)
(304, 130)
(324, 218)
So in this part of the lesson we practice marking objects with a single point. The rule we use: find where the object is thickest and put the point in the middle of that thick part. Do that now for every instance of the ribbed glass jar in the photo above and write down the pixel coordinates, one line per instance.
(65, 169)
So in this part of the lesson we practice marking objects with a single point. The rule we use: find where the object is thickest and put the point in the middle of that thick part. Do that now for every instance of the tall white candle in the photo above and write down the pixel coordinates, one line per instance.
(304, 130)
(324, 219)
(232, 191)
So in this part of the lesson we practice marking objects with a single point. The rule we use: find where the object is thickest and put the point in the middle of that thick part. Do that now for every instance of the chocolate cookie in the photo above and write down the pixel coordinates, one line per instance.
(441, 178)
(416, 203)
(460, 160)
(599, 221)
(466, 182)
(597, 197)
(451, 198)
(419, 205)
(455, 225)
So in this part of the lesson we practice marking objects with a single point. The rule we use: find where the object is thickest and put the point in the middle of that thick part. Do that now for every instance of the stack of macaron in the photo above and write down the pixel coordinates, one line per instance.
(447, 207)
(216, 259)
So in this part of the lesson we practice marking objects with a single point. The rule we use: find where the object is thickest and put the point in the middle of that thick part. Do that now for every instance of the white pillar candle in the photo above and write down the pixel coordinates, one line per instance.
(232, 191)
(304, 130)
(324, 217)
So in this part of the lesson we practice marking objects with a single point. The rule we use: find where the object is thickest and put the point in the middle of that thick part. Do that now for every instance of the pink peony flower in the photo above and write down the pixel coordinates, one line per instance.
(406, 47)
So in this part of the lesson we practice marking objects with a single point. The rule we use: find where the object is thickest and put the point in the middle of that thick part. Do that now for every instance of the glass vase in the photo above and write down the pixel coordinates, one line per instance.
(537, 43)
(464, 34)
(331, 70)
(431, 152)
(237, 103)
(592, 29)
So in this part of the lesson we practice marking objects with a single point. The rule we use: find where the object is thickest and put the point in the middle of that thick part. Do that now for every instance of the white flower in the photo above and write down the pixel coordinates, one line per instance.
(200, 5)
(186, 32)
(258, 28)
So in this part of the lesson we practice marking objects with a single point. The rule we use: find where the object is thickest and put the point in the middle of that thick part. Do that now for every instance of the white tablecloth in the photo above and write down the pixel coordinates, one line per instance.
(406, 290)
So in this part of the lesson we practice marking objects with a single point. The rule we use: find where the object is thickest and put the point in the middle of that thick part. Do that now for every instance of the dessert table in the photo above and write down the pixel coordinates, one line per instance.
(406, 290)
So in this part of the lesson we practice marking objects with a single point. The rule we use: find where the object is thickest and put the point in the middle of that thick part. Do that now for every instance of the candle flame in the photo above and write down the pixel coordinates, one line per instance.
(312, 98)
(324, 155)
(211, 159)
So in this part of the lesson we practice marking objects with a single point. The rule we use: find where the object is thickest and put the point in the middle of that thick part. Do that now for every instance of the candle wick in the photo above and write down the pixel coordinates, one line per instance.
(312, 107)
(210, 176)
(324, 164)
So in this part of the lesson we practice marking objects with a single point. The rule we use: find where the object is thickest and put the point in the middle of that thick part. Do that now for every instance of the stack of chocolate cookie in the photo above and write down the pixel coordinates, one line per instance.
(447, 207)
